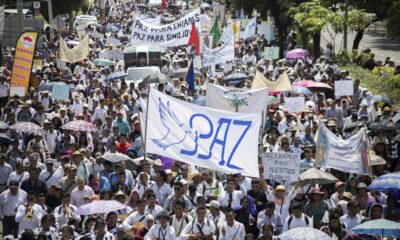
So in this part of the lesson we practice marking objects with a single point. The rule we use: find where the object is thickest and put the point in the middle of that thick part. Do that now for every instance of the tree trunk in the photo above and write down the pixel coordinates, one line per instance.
(316, 44)
(71, 21)
(357, 39)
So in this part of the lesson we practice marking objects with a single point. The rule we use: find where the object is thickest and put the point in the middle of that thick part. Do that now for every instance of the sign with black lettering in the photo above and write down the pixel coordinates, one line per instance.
(281, 167)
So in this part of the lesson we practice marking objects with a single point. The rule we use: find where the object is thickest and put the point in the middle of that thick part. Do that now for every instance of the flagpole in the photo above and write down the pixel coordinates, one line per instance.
(147, 119)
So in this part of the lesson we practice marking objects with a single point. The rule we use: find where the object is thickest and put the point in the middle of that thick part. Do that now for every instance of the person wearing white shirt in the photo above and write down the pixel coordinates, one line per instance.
(216, 216)
(177, 196)
(152, 208)
(137, 216)
(200, 228)
(180, 219)
(19, 175)
(82, 193)
(28, 216)
(51, 176)
(101, 232)
(51, 138)
(210, 185)
(5, 171)
(161, 189)
(296, 219)
(100, 112)
(231, 229)
(9, 201)
(162, 230)
(353, 217)
(231, 198)
(65, 211)
(270, 216)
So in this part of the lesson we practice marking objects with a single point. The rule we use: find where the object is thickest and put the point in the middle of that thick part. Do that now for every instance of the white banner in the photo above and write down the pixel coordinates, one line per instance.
(208, 138)
(170, 35)
(350, 155)
(344, 88)
(250, 30)
(294, 104)
(227, 34)
(281, 167)
(236, 99)
(156, 21)
(112, 54)
(219, 55)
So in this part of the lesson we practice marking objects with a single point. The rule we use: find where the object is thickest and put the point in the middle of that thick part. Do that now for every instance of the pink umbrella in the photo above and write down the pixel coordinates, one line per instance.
(297, 53)
(314, 86)
(101, 206)
(73, 42)
(79, 125)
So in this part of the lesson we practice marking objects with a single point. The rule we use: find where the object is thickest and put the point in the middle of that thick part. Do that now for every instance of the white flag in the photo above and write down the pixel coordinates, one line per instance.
(237, 99)
(208, 138)
(250, 29)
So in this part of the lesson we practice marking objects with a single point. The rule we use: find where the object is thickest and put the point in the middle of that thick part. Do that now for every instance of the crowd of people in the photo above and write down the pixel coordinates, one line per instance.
(47, 175)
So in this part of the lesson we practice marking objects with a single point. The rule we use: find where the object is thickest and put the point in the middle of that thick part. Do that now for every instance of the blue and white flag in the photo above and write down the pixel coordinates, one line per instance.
(208, 138)
(250, 30)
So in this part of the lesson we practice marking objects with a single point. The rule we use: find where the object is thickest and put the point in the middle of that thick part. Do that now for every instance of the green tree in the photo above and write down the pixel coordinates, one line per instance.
(69, 7)
(393, 23)
(311, 17)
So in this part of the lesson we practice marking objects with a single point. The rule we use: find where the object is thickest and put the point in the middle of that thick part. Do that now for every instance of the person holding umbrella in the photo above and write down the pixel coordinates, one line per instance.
(162, 230)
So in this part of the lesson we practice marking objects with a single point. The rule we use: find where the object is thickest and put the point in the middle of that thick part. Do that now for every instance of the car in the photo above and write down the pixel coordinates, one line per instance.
(137, 74)
(85, 20)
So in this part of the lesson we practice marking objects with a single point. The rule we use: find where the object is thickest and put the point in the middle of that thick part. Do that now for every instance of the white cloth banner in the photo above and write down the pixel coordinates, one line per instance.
(170, 35)
(219, 55)
(344, 88)
(250, 30)
(156, 21)
(294, 104)
(281, 167)
(232, 99)
(208, 138)
(350, 155)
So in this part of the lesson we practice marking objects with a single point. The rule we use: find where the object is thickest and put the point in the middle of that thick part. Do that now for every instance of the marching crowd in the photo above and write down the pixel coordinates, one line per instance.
(45, 176)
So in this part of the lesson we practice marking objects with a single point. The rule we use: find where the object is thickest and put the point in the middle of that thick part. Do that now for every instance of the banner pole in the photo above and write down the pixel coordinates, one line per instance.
(147, 119)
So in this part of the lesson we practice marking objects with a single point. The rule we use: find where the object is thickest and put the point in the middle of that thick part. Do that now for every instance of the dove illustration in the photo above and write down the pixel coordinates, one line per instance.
(170, 121)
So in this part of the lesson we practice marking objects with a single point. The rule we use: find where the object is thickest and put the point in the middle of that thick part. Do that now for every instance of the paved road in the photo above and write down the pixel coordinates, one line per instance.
(374, 38)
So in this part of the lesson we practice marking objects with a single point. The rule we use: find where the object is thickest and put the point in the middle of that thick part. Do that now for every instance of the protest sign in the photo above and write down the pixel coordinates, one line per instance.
(350, 155)
(281, 167)
(236, 99)
(76, 54)
(219, 55)
(294, 104)
(250, 30)
(170, 35)
(204, 137)
(17, 91)
(267, 30)
(37, 64)
(344, 88)
(23, 61)
(61, 64)
(271, 53)
(228, 67)
(60, 91)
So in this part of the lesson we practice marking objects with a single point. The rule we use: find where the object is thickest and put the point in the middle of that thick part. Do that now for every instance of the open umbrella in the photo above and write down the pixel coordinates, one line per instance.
(387, 182)
(382, 126)
(73, 42)
(4, 126)
(101, 206)
(297, 53)
(182, 72)
(115, 157)
(380, 98)
(314, 86)
(103, 62)
(376, 160)
(301, 90)
(235, 78)
(4, 139)
(304, 233)
(315, 176)
(27, 127)
(79, 126)
(157, 78)
(115, 75)
(273, 100)
(379, 227)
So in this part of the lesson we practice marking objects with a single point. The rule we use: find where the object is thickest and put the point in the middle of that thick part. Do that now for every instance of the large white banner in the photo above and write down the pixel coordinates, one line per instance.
(344, 88)
(208, 138)
(170, 35)
(227, 34)
(156, 21)
(350, 155)
(220, 55)
(237, 99)
(281, 167)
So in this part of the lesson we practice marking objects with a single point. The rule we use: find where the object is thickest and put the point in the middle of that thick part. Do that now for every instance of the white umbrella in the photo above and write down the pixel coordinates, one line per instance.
(304, 233)
(115, 157)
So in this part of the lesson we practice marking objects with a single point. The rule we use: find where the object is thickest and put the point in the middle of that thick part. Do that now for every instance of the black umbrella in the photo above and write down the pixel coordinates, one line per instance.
(380, 98)
(4, 139)
(382, 126)
(235, 78)
(157, 78)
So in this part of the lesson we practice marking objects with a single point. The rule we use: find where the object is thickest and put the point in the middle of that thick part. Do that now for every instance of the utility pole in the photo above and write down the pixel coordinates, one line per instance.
(20, 17)
(50, 9)
(346, 17)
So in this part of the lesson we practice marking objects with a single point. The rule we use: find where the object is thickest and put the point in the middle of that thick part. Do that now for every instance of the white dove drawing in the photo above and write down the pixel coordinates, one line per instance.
(171, 123)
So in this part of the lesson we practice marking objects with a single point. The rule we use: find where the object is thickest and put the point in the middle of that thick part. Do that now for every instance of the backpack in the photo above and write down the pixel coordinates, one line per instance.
(306, 219)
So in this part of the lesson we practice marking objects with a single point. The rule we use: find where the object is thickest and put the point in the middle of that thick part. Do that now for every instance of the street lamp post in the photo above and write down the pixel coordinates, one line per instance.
(346, 16)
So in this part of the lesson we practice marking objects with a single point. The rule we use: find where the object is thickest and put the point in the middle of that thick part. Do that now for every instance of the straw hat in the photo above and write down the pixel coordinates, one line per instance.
(280, 188)
(193, 175)
(348, 195)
